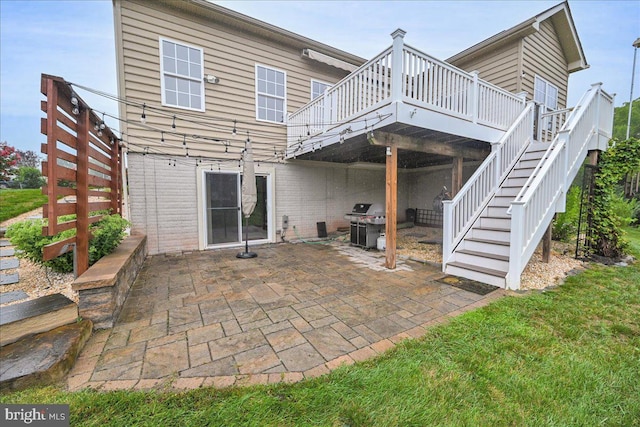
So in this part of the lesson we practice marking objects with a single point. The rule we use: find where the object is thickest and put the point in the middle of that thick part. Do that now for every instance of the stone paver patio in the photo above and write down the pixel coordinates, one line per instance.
(295, 311)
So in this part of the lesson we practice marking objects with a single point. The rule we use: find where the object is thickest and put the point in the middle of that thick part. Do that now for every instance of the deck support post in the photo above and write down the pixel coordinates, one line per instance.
(546, 244)
(593, 157)
(456, 176)
(391, 205)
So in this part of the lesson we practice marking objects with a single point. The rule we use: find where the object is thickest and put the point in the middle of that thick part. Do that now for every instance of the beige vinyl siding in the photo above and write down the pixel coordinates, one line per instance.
(230, 55)
(499, 67)
(543, 55)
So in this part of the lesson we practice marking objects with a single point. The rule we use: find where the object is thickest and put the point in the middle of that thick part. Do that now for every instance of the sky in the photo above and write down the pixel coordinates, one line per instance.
(75, 40)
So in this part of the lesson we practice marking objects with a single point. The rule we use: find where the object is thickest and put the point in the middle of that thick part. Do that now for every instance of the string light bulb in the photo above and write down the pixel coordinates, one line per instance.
(102, 125)
(162, 137)
(234, 132)
(74, 101)
(173, 125)
(143, 117)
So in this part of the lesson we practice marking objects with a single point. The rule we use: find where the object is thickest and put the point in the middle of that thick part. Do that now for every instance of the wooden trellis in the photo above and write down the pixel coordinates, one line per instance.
(86, 160)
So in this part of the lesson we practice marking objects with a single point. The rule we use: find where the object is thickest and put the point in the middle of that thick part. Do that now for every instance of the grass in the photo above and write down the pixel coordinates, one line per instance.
(566, 357)
(17, 202)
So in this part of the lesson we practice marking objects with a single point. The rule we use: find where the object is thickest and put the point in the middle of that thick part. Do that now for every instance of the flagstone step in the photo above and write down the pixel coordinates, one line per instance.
(44, 358)
(35, 316)
(9, 263)
(9, 279)
(7, 251)
(12, 296)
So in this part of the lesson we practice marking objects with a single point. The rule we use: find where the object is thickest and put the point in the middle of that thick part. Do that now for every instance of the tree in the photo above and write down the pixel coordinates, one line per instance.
(29, 158)
(29, 177)
(621, 117)
(9, 159)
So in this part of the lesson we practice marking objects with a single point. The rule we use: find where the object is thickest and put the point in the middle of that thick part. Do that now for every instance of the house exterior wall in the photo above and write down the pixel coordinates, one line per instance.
(231, 55)
(164, 208)
(499, 67)
(514, 66)
(166, 200)
(542, 55)
(423, 186)
(163, 203)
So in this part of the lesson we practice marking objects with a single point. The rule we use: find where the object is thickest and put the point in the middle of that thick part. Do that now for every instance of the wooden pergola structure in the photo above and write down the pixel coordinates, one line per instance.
(84, 155)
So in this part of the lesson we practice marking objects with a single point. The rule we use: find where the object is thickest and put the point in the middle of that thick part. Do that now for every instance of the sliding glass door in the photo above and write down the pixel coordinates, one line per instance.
(223, 216)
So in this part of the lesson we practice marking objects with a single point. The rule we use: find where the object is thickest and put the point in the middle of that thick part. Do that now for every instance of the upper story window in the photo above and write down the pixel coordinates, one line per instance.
(545, 93)
(271, 94)
(182, 68)
(318, 88)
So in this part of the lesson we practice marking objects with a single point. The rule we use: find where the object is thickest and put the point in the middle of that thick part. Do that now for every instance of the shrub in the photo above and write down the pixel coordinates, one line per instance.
(565, 225)
(27, 237)
(624, 210)
(29, 177)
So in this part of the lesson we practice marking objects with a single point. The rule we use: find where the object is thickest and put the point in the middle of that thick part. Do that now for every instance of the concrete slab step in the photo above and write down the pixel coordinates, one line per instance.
(4, 243)
(36, 316)
(12, 296)
(44, 358)
(9, 279)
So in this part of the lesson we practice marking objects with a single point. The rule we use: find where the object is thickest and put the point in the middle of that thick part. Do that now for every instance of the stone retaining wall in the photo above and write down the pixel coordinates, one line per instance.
(103, 288)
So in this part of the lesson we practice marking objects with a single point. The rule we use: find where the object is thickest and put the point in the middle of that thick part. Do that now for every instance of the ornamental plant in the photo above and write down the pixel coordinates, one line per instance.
(621, 158)
(27, 237)
(9, 159)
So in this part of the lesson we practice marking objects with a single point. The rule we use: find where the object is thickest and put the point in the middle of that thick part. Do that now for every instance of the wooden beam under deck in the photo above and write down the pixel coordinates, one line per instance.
(427, 146)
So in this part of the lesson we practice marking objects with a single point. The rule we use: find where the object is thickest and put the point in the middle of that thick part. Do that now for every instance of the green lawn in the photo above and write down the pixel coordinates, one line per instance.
(566, 357)
(16, 202)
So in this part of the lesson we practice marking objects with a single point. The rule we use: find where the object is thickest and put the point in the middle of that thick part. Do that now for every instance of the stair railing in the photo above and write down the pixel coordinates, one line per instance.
(543, 194)
(460, 212)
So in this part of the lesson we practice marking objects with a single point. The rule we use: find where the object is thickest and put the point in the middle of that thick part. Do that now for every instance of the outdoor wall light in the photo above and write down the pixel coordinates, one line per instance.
(210, 78)
(388, 151)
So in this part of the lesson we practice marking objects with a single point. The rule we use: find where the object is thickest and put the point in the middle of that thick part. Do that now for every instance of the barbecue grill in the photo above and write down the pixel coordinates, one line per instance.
(367, 221)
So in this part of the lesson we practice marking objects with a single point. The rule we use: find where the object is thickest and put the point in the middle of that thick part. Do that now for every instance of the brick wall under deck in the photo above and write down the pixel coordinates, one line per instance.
(103, 288)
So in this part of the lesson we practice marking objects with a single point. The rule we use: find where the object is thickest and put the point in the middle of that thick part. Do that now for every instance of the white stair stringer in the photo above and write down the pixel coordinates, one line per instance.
(483, 254)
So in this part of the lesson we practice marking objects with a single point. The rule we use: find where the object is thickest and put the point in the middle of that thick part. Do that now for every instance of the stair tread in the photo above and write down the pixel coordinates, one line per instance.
(33, 308)
(492, 229)
(479, 269)
(488, 241)
(484, 254)
(505, 216)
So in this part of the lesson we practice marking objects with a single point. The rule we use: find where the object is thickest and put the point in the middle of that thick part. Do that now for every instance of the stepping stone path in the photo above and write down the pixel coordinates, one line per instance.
(8, 261)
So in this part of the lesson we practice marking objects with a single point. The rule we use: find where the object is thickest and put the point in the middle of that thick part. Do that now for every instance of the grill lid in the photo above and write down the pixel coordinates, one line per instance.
(361, 208)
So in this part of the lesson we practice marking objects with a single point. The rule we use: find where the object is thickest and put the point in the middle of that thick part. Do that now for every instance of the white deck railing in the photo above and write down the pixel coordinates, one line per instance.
(533, 209)
(461, 212)
(404, 74)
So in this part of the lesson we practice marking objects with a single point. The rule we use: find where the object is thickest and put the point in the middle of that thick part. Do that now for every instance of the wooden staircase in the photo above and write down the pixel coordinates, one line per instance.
(483, 254)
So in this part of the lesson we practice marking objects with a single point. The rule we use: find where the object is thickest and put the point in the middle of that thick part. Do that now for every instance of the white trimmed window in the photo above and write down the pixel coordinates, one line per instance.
(271, 94)
(182, 68)
(318, 88)
(545, 93)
